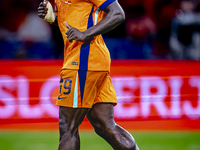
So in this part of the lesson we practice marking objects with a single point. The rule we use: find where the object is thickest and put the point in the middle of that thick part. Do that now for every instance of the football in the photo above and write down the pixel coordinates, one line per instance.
(50, 17)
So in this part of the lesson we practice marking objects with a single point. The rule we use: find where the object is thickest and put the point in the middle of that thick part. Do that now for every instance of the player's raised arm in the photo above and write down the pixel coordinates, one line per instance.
(45, 11)
(115, 16)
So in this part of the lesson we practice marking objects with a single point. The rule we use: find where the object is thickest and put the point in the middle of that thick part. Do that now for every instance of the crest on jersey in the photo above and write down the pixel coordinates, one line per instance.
(68, 2)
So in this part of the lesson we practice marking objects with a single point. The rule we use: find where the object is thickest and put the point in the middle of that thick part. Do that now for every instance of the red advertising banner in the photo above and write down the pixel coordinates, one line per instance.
(152, 94)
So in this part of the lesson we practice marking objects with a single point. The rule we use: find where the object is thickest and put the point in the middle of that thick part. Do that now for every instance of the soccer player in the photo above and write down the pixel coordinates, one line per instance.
(85, 87)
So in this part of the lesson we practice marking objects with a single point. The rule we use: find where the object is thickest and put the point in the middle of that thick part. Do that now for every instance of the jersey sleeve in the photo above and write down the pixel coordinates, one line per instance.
(102, 4)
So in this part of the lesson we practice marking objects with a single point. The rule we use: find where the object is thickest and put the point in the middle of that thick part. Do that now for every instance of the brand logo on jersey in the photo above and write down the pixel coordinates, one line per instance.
(68, 2)
(74, 63)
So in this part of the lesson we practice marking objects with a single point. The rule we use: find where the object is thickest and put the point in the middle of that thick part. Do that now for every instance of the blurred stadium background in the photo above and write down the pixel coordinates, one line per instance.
(155, 71)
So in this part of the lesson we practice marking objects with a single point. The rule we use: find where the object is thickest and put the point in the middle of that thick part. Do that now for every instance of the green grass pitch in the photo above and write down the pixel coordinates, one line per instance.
(90, 141)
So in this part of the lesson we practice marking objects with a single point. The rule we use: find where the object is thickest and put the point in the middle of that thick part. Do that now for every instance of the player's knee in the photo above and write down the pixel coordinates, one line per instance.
(99, 129)
(98, 126)
(105, 131)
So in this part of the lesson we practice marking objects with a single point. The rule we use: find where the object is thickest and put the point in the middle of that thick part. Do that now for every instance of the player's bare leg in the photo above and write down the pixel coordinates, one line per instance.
(102, 119)
(69, 121)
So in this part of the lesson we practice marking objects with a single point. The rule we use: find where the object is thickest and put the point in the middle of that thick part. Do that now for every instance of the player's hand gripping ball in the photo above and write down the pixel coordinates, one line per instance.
(45, 11)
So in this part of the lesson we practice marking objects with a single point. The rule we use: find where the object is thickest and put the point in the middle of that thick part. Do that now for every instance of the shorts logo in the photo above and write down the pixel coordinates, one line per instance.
(61, 98)
(74, 63)
(68, 2)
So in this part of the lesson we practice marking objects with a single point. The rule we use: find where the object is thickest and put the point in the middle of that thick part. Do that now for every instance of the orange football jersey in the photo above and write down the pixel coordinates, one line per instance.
(89, 55)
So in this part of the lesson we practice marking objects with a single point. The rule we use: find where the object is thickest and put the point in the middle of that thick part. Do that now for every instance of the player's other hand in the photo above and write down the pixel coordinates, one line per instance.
(74, 34)
(42, 10)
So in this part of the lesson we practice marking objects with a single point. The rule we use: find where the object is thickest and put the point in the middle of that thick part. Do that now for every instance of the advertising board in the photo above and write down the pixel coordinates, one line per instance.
(151, 94)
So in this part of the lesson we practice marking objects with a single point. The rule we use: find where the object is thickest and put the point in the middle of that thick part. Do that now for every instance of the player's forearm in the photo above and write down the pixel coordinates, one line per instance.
(115, 16)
